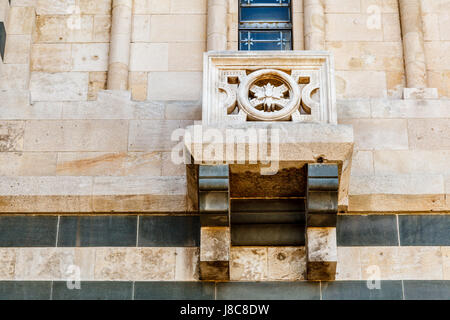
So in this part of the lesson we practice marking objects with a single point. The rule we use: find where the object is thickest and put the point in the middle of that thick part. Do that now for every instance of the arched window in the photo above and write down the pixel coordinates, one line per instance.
(265, 25)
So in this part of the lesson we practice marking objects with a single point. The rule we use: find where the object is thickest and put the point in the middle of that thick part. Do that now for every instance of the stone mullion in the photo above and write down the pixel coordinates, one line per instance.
(314, 24)
(217, 25)
(119, 52)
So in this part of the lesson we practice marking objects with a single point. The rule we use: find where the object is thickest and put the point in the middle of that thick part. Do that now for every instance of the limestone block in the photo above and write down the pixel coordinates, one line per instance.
(395, 82)
(148, 203)
(367, 55)
(430, 27)
(186, 56)
(350, 27)
(97, 82)
(186, 268)
(20, 20)
(90, 57)
(102, 28)
(14, 104)
(420, 93)
(362, 163)
(139, 185)
(321, 251)
(7, 263)
(391, 27)
(138, 85)
(149, 57)
(396, 203)
(45, 186)
(179, 110)
(444, 24)
(47, 7)
(154, 135)
(17, 49)
(397, 184)
(409, 109)
(248, 264)
(151, 7)
(343, 6)
(56, 29)
(95, 7)
(395, 263)
(169, 28)
(379, 134)
(286, 263)
(135, 264)
(348, 84)
(27, 164)
(76, 135)
(297, 29)
(353, 108)
(4, 10)
(429, 134)
(412, 162)
(169, 168)
(215, 244)
(349, 263)
(54, 263)
(149, 110)
(90, 164)
(44, 204)
(66, 86)
(143, 163)
(51, 57)
(141, 28)
(188, 7)
(386, 6)
(11, 135)
(14, 76)
(446, 262)
(297, 6)
(175, 85)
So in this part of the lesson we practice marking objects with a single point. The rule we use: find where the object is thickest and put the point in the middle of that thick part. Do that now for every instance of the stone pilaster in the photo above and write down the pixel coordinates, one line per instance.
(321, 216)
(414, 52)
(314, 24)
(119, 52)
(217, 25)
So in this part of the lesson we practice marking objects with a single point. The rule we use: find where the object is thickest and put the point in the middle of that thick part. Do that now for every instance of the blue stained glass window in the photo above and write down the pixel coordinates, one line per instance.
(265, 25)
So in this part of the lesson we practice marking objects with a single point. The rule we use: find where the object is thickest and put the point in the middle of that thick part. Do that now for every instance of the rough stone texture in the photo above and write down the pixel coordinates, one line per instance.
(349, 263)
(68, 86)
(286, 263)
(215, 244)
(248, 264)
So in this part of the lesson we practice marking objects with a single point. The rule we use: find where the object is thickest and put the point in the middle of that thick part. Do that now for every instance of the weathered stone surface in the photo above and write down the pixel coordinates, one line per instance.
(7, 263)
(149, 57)
(167, 29)
(27, 163)
(429, 134)
(11, 135)
(321, 251)
(286, 263)
(407, 109)
(446, 262)
(362, 163)
(90, 57)
(183, 85)
(66, 86)
(17, 49)
(248, 263)
(20, 20)
(348, 84)
(138, 85)
(215, 244)
(187, 268)
(353, 108)
(97, 82)
(396, 202)
(63, 28)
(349, 263)
(51, 57)
(14, 76)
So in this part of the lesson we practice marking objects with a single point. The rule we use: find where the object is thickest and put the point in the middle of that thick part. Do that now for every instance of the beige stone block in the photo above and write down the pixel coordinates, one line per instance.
(151, 6)
(67, 86)
(402, 263)
(14, 76)
(12, 102)
(17, 49)
(286, 263)
(215, 244)
(170, 167)
(51, 57)
(46, 186)
(379, 134)
(138, 85)
(154, 135)
(141, 28)
(430, 27)
(43, 204)
(95, 6)
(412, 162)
(348, 84)
(143, 163)
(435, 53)
(444, 25)
(27, 164)
(385, 6)
(351, 27)
(186, 268)
(64, 28)
(446, 262)
(388, 203)
(353, 108)
(149, 57)
(391, 27)
(429, 134)
(139, 185)
(175, 85)
(47, 7)
(362, 163)
(97, 82)
(20, 20)
(25, 111)
(343, 6)
(434, 6)
(409, 109)
(54, 263)
(397, 184)
(149, 110)
(76, 135)
(169, 28)
(133, 264)
(248, 263)
(445, 84)
(395, 82)
(420, 93)
(367, 55)
(7, 263)
(102, 28)
(188, 7)
(90, 164)
(297, 5)
(297, 31)
(186, 56)
(90, 57)
(349, 263)
(321, 244)
(11, 135)
(4, 10)
(183, 111)
(437, 80)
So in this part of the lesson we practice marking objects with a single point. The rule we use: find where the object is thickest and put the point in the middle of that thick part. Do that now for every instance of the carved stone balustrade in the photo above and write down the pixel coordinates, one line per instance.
(268, 165)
